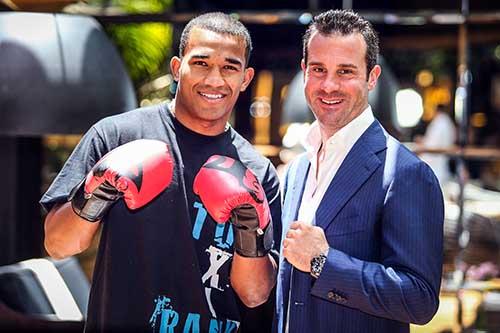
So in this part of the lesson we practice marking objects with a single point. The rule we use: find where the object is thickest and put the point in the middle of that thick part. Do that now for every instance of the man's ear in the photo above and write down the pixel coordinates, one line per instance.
(373, 77)
(248, 76)
(303, 65)
(175, 65)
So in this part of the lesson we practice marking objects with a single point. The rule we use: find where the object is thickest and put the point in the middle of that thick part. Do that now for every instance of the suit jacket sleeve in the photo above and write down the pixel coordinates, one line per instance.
(405, 284)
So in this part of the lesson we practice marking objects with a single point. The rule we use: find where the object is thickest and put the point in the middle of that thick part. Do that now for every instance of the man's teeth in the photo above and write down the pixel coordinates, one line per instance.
(331, 102)
(212, 96)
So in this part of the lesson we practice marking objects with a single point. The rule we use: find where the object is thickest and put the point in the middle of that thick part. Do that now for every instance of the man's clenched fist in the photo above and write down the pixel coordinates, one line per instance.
(138, 171)
(230, 191)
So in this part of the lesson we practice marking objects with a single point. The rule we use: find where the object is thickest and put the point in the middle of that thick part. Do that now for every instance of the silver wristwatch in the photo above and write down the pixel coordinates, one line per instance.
(317, 264)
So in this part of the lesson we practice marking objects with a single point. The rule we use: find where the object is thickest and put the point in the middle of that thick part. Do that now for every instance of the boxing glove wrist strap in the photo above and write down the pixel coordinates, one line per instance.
(92, 207)
(250, 242)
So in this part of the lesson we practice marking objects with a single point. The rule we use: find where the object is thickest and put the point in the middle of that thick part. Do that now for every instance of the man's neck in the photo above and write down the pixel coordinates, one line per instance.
(200, 126)
(328, 131)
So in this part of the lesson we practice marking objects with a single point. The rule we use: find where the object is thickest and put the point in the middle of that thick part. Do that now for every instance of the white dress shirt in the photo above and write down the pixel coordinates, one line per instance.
(330, 158)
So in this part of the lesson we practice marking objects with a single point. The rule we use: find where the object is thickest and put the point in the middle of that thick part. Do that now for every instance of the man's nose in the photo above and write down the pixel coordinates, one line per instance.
(214, 77)
(330, 84)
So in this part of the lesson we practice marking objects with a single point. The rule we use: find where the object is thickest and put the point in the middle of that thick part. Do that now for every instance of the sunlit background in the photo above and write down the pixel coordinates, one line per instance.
(434, 54)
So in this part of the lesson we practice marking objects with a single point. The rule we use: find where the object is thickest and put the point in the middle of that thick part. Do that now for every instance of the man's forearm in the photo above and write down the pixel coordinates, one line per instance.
(253, 278)
(66, 233)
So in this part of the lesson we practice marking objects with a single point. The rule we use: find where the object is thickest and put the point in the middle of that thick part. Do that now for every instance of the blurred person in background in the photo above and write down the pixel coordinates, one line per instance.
(441, 133)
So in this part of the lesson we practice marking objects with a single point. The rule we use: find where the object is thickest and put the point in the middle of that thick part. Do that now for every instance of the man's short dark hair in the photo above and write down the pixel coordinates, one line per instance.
(344, 22)
(220, 23)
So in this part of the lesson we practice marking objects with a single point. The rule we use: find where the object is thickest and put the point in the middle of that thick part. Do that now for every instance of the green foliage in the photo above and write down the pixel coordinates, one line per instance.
(144, 47)
(135, 6)
(146, 6)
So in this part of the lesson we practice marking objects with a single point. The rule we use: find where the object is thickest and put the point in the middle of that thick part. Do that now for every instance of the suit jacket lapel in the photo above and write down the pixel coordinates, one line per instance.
(295, 188)
(358, 166)
(297, 185)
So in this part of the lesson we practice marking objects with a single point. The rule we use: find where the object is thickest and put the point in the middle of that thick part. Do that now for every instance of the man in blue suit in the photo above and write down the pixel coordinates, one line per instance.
(362, 216)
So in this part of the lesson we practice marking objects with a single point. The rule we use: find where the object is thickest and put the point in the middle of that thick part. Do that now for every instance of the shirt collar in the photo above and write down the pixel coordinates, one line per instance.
(345, 137)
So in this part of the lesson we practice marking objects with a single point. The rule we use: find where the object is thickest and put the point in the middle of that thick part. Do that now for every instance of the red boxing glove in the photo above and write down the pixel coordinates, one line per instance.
(230, 191)
(138, 171)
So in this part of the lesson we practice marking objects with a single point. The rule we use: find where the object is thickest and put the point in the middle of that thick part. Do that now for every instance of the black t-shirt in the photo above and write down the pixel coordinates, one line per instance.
(164, 267)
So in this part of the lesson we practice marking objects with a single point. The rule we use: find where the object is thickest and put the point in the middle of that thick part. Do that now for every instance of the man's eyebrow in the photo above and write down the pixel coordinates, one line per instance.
(315, 63)
(234, 61)
(348, 66)
(199, 56)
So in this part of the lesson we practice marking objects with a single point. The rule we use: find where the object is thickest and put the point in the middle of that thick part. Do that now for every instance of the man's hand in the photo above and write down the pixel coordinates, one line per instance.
(230, 191)
(137, 171)
(302, 243)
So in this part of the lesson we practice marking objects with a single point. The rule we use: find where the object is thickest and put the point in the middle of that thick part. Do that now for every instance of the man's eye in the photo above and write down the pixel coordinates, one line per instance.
(345, 71)
(318, 69)
(200, 63)
(230, 67)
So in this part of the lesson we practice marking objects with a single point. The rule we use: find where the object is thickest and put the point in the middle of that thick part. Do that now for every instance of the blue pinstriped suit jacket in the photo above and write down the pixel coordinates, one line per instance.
(383, 218)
